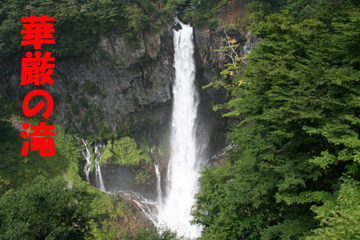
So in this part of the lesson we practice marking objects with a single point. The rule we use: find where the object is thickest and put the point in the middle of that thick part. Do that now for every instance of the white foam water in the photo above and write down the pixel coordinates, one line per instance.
(183, 165)
(86, 154)
(98, 149)
(158, 186)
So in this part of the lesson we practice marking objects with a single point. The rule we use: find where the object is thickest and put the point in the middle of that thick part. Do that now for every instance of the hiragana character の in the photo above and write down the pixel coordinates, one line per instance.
(31, 112)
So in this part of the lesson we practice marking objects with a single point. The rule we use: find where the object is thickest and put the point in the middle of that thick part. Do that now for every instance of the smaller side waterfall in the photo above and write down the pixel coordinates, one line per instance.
(148, 207)
(98, 149)
(158, 186)
(87, 157)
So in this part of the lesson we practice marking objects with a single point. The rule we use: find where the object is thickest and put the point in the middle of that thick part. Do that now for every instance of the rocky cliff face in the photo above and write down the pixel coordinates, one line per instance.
(126, 85)
(121, 85)
(118, 84)
(211, 63)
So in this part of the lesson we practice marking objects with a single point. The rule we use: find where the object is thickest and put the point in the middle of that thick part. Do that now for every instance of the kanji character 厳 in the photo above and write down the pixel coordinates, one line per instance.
(40, 140)
(32, 68)
(37, 33)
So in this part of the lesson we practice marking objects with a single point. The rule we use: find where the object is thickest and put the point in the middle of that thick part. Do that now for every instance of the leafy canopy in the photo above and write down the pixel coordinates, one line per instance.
(78, 23)
(47, 209)
(300, 94)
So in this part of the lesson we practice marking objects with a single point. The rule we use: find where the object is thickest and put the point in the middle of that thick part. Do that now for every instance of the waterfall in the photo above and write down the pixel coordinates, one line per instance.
(98, 149)
(183, 165)
(158, 186)
(87, 157)
(148, 207)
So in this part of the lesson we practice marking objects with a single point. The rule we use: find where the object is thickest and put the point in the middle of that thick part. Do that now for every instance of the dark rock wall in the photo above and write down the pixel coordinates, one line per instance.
(132, 81)
(134, 86)
(210, 64)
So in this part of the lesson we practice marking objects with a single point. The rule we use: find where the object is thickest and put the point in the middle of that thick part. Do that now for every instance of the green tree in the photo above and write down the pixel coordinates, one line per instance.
(6, 131)
(154, 233)
(47, 209)
(137, 19)
(300, 94)
(343, 220)
(78, 23)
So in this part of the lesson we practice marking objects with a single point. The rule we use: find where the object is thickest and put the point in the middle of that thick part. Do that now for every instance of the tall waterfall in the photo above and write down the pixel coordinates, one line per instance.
(183, 166)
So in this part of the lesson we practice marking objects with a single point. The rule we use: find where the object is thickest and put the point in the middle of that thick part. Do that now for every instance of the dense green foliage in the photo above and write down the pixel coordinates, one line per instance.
(27, 168)
(342, 221)
(126, 152)
(295, 171)
(46, 209)
(33, 218)
(78, 22)
(5, 126)
(153, 233)
(205, 12)
(16, 170)
(300, 10)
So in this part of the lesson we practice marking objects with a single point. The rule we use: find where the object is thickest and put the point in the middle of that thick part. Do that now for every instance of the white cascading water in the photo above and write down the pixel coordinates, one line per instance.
(98, 149)
(87, 157)
(183, 166)
(158, 186)
(147, 206)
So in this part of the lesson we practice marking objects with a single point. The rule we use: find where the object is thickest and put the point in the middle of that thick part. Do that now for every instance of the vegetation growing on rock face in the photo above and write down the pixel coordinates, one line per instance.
(78, 23)
(21, 214)
(125, 152)
(300, 10)
(205, 12)
(295, 174)
(27, 168)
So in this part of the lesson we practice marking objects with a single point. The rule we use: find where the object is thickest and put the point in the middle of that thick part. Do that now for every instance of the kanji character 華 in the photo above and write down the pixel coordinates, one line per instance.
(37, 33)
(40, 140)
(32, 68)
(31, 112)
